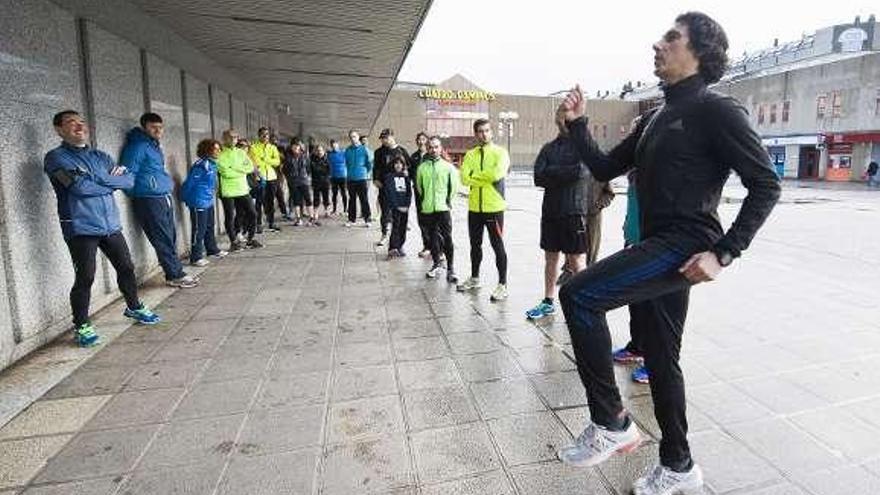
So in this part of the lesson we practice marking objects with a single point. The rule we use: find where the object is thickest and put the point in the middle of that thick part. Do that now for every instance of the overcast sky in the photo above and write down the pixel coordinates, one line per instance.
(537, 48)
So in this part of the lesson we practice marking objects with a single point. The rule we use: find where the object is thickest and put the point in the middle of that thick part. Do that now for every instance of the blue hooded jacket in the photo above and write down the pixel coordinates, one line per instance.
(143, 157)
(338, 169)
(358, 163)
(198, 189)
(84, 189)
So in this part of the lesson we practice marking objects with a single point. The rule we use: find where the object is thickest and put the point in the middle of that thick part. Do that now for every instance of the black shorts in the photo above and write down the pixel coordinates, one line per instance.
(566, 235)
(302, 195)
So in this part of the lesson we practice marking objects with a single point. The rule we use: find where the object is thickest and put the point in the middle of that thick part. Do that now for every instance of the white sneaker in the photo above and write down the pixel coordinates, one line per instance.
(184, 282)
(221, 254)
(470, 284)
(240, 238)
(367, 224)
(201, 262)
(664, 481)
(381, 242)
(596, 445)
(434, 271)
(499, 294)
(349, 224)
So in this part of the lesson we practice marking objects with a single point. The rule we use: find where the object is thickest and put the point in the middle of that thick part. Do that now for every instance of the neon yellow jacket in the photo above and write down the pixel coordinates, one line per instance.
(484, 169)
(267, 159)
(435, 181)
(233, 166)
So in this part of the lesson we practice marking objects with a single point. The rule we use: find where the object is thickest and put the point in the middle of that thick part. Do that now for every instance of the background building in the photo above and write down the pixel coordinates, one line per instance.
(522, 123)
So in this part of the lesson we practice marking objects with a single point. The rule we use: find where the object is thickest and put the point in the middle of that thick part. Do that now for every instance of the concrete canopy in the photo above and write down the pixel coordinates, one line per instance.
(324, 66)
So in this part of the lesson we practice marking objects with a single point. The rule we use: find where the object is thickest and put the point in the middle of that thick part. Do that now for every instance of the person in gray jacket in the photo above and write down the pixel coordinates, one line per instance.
(297, 170)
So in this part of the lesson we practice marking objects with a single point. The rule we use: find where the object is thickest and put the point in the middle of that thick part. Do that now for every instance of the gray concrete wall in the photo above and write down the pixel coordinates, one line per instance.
(111, 62)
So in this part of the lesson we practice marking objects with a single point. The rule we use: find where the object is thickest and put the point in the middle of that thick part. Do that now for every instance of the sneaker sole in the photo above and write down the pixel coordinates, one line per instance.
(594, 461)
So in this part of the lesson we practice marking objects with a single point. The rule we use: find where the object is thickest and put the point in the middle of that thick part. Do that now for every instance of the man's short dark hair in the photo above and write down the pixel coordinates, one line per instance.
(479, 123)
(332, 142)
(262, 130)
(709, 43)
(58, 119)
(421, 133)
(150, 118)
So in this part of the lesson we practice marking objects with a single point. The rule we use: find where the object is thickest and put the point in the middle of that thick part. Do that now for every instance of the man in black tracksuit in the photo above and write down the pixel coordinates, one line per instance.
(684, 153)
(382, 159)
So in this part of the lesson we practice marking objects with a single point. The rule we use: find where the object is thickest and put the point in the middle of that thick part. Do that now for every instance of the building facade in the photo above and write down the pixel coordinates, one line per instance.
(449, 108)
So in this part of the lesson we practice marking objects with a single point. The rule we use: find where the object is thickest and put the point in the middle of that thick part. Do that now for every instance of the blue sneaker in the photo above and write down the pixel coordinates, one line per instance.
(640, 375)
(541, 310)
(626, 356)
(143, 315)
(85, 335)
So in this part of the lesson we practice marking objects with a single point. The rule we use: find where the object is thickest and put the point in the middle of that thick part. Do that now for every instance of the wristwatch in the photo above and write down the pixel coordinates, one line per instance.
(724, 257)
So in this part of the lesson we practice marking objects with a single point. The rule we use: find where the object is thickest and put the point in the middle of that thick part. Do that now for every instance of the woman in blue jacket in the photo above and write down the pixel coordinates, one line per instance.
(198, 192)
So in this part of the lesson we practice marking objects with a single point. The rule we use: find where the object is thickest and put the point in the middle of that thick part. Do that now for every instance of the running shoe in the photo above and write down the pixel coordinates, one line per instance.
(254, 244)
(434, 271)
(235, 246)
(451, 278)
(640, 375)
(142, 315)
(540, 311)
(664, 481)
(221, 254)
(470, 284)
(85, 335)
(626, 356)
(425, 253)
(597, 444)
(200, 262)
(499, 294)
(184, 282)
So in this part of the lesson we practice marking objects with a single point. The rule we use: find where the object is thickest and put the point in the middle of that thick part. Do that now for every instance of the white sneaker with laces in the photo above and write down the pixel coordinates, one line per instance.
(596, 445)
(664, 481)
(499, 294)
(472, 283)
(434, 271)
(221, 254)
(201, 262)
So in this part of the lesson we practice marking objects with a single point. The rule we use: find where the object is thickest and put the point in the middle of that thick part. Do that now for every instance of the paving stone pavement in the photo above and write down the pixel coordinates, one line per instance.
(314, 366)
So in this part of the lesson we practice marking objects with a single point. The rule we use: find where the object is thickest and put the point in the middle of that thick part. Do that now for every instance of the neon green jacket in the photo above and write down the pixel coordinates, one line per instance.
(436, 183)
(267, 159)
(233, 166)
(483, 169)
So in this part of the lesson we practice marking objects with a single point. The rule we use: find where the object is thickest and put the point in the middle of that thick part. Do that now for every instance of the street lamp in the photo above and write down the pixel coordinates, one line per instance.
(508, 118)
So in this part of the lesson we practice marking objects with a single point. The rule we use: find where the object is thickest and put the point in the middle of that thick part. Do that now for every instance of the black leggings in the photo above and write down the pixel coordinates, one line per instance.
(338, 186)
(494, 223)
(439, 226)
(357, 190)
(321, 195)
(241, 207)
(83, 250)
(269, 195)
(645, 275)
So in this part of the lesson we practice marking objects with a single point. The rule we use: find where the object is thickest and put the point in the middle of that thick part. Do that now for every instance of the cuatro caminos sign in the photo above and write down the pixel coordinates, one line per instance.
(451, 94)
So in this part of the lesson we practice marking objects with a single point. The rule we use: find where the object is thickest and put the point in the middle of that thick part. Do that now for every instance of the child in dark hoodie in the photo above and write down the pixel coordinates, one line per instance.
(398, 191)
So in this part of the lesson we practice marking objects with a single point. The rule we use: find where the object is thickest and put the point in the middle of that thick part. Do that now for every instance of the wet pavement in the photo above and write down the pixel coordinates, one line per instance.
(315, 366)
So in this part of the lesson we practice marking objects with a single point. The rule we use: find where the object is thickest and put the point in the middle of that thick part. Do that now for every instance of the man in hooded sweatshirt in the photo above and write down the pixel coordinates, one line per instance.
(153, 207)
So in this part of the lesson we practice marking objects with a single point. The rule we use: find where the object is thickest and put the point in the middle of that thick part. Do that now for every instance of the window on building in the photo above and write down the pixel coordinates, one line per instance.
(595, 130)
(773, 113)
(786, 110)
(604, 131)
(836, 104)
(877, 104)
(760, 114)
(821, 105)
